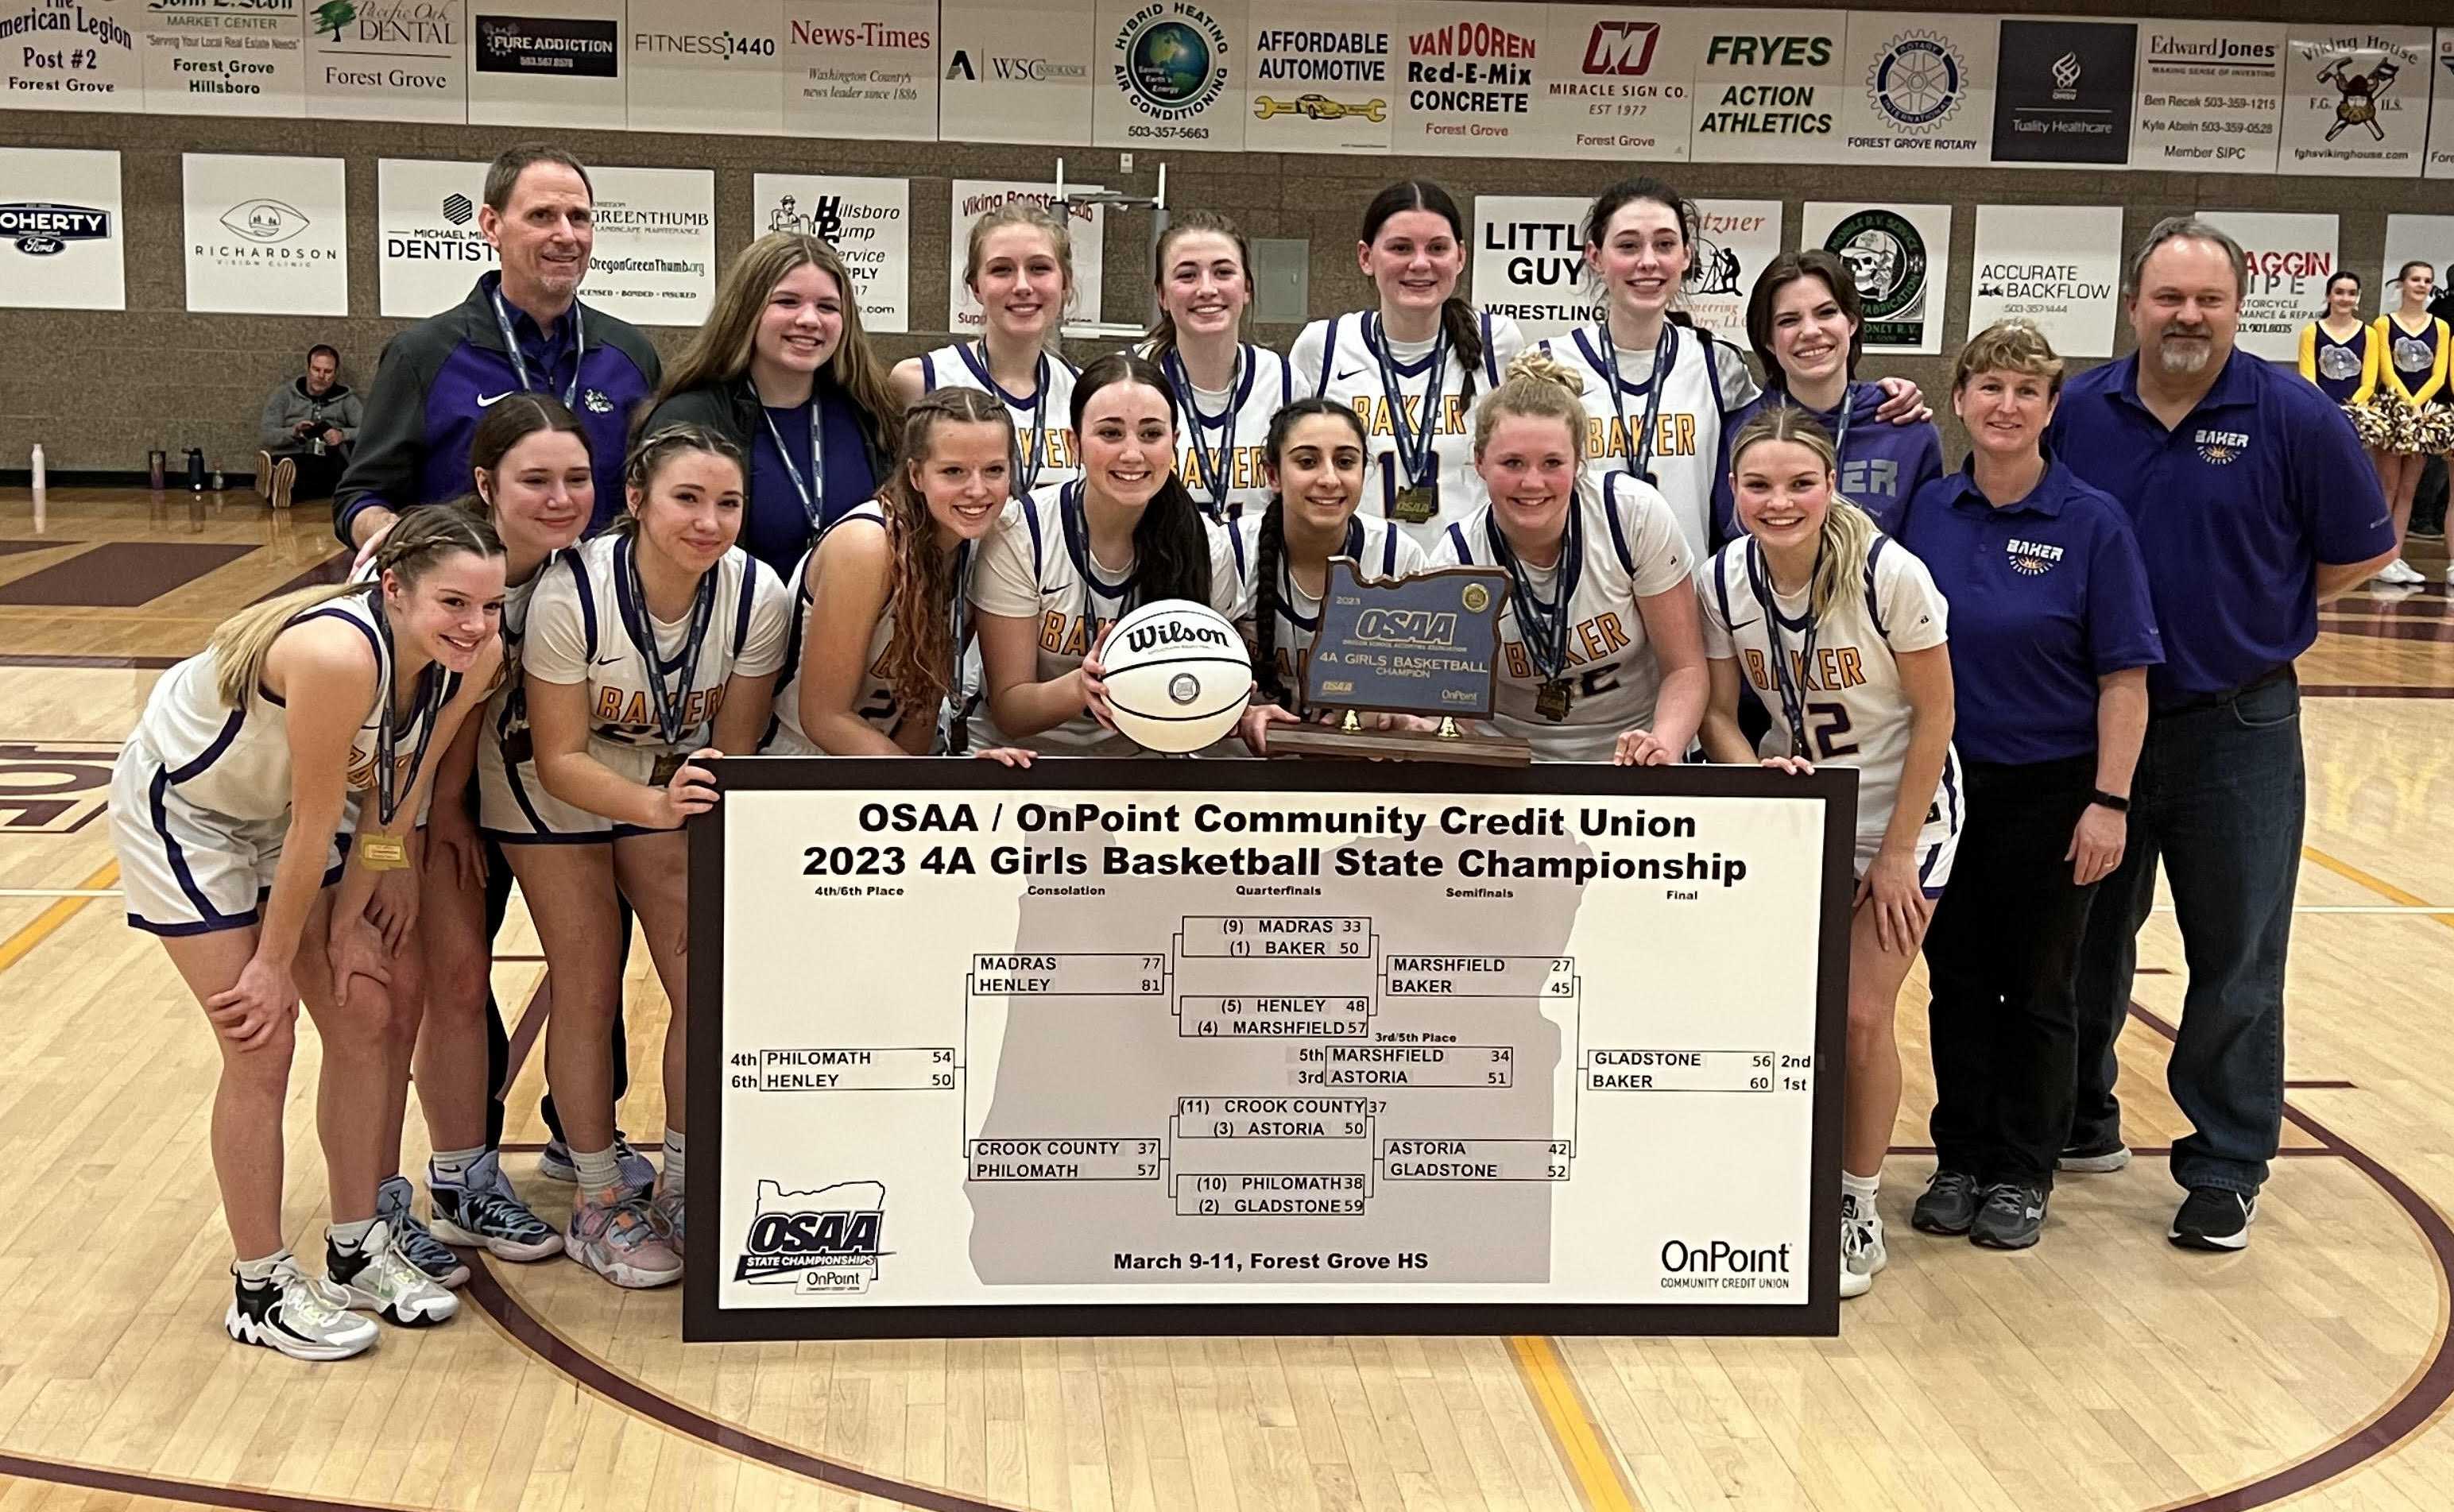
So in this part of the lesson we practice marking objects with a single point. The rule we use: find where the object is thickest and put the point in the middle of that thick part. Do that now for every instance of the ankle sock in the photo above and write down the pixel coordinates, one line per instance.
(673, 1166)
(598, 1169)
(452, 1166)
(260, 1271)
(350, 1237)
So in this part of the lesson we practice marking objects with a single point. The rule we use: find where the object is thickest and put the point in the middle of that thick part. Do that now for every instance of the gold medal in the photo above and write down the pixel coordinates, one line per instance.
(1416, 505)
(1552, 702)
(666, 766)
(382, 853)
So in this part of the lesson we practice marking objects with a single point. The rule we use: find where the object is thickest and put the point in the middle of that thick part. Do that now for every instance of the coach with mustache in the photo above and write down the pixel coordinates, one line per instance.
(2253, 504)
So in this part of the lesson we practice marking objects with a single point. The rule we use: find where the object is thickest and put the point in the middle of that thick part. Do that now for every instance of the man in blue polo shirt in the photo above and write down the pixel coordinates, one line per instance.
(2253, 503)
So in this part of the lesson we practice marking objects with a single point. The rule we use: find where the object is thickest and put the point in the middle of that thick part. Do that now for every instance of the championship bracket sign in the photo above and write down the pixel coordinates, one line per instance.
(1292, 1048)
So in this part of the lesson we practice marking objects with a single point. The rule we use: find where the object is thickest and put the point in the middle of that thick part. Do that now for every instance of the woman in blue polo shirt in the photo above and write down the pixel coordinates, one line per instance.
(2052, 633)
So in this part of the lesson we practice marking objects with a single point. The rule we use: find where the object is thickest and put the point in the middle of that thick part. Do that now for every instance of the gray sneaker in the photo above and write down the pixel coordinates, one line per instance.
(393, 1205)
(2012, 1216)
(1949, 1204)
(2095, 1159)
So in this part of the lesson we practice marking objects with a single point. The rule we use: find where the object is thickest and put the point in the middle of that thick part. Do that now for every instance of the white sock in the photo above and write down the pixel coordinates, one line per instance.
(1862, 1188)
(449, 1166)
(673, 1166)
(350, 1237)
(598, 1169)
(260, 1271)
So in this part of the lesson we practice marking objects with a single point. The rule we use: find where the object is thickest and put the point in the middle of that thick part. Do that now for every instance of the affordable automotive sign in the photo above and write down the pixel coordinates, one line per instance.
(1770, 92)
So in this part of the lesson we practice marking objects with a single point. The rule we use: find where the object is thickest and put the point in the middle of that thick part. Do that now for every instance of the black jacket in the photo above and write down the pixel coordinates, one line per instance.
(730, 409)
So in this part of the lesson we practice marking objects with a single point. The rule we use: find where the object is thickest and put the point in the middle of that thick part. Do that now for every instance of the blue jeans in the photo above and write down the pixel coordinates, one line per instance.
(2218, 800)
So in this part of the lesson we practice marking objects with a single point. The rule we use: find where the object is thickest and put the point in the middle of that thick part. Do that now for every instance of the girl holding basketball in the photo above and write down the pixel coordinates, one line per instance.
(1070, 559)
(1412, 366)
(1226, 388)
(1841, 632)
(1600, 655)
(650, 649)
(310, 717)
(2413, 350)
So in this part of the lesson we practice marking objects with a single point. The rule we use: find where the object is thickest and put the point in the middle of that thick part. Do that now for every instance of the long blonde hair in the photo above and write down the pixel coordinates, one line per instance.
(424, 536)
(721, 350)
(1848, 532)
(920, 653)
(1538, 386)
(1019, 212)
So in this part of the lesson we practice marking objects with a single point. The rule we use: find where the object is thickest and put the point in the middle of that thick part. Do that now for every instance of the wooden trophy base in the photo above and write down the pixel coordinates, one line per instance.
(1352, 740)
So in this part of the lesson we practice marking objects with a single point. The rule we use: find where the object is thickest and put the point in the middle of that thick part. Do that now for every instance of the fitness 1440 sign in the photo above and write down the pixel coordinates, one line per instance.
(1270, 1049)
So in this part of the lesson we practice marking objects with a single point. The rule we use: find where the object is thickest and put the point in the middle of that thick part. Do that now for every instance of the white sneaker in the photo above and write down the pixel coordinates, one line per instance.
(1862, 1247)
(2400, 570)
(380, 1280)
(296, 1313)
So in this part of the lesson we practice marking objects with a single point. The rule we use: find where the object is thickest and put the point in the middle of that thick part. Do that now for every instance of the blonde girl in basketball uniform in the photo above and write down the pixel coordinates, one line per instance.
(1226, 388)
(1019, 266)
(649, 650)
(1600, 658)
(1072, 558)
(880, 610)
(1413, 366)
(226, 802)
(1841, 632)
(1315, 448)
(2413, 350)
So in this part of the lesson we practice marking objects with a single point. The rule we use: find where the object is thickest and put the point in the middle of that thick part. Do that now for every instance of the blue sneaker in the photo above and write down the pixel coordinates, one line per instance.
(433, 1257)
(481, 1209)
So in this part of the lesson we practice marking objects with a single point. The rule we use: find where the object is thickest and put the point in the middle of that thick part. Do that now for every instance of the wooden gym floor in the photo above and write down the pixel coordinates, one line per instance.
(2103, 1369)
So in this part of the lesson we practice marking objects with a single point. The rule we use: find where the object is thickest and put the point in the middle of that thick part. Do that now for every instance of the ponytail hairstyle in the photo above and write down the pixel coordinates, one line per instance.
(505, 424)
(1849, 531)
(2346, 275)
(1171, 545)
(1020, 211)
(920, 653)
(653, 452)
(1628, 191)
(1456, 316)
(421, 540)
(1161, 336)
(1270, 543)
(1787, 269)
(1540, 385)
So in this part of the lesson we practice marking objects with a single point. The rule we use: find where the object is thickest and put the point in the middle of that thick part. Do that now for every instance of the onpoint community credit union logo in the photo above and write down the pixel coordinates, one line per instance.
(264, 220)
(43, 229)
(1172, 60)
(825, 1240)
(1886, 254)
(1918, 81)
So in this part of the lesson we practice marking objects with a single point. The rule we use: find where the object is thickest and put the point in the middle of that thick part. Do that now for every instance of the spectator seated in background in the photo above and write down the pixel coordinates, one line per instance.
(308, 426)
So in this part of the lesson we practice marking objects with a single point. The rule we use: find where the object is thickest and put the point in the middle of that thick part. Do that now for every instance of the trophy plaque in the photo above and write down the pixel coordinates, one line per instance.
(1426, 646)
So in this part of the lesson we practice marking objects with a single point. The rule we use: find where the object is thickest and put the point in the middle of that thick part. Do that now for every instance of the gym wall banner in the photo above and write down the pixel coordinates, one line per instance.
(655, 262)
(1735, 238)
(2441, 117)
(266, 235)
(2210, 96)
(867, 221)
(2291, 256)
(202, 58)
(1529, 262)
(2425, 238)
(428, 248)
(1000, 82)
(705, 66)
(1901, 257)
(2058, 267)
(2062, 93)
(71, 55)
(1320, 77)
(869, 73)
(1918, 89)
(2356, 102)
(556, 63)
(1170, 74)
(1620, 83)
(60, 246)
(1768, 88)
(389, 60)
(1468, 79)
(974, 197)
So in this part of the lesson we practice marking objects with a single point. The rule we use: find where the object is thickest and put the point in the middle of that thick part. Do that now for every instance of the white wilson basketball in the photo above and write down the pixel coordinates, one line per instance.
(1177, 676)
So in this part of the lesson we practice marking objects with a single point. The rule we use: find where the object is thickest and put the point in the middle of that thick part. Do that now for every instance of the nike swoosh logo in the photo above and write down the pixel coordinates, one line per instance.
(488, 400)
(608, 661)
(1356, 373)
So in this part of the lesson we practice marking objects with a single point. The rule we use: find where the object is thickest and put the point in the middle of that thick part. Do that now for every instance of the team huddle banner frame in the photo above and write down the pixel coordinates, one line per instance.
(1552, 1226)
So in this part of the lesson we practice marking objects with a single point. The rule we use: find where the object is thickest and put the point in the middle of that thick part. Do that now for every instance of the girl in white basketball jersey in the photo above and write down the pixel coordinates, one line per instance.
(226, 804)
(1841, 632)
(880, 604)
(1226, 388)
(1315, 448)
(649, 649)
(1413, 367)
(1020, 268)
(1600, 656)
(1068, 561)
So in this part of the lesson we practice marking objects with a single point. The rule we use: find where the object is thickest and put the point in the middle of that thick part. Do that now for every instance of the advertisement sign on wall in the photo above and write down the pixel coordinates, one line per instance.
(2210, 96)
(60, 233)
(266, 235)
(999, 82)
(1735, 238)
(71, 55)
(2356, 101)
(1768, 88)
(389, 60)
(1901, 255)
(654, 263)
(2057, 267)
(547, 63)
(1619, 83)
(1468, 79)
(205, 58)
(867, 221)
(428, 248)
(2062, 92)
(2290, 258)
(868, 73)
(1529, 262)
(1319, 76)
(1170, 74)
(1922, 88)
(705, 66)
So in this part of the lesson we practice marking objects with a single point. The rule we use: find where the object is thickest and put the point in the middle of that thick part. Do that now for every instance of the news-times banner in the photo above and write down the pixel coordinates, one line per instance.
(867, 220)
(1350, 1040)
(2291, 256)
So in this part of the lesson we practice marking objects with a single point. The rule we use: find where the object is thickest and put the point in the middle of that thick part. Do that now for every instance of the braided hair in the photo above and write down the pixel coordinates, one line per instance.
(653, 452)
(1270, 545)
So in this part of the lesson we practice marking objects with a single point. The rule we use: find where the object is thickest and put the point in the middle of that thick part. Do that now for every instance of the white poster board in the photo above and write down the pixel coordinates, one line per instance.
(2210, 96)
(1320, 76)
(867, 221)
(1170, 74)
(2058, 267)
(655, 261)
(389, 60)
(2356, 101)
(1469, 76)
(1901, 257)
(1919, 87)
(868, 73)
(204, 58)
(1735, 238)
(1529, 262)
(1769, 86)
(1005, 81)
(2291, 256)
(1618, 84)
(71, 55)
(266, 235)
(61, 239)
(706, 65)
(429, 251)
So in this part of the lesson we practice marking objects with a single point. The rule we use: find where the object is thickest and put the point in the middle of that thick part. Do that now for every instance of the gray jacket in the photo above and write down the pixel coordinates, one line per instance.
(286, 406)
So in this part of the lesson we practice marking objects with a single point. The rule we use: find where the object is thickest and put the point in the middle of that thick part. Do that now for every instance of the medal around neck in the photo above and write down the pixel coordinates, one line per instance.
(1426, 645)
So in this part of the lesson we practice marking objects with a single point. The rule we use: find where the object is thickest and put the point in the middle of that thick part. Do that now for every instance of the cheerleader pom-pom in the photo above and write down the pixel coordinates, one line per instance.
(2374, 426)
(2432, 431)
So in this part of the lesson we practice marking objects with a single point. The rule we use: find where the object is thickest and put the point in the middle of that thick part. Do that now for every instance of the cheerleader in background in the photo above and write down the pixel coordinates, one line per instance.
(2412, 350)
(1226, 388)
(650, 648)
(1600, 655)
(1316, 450)
(1841, 632)
(1411, 367)
(1072, 558)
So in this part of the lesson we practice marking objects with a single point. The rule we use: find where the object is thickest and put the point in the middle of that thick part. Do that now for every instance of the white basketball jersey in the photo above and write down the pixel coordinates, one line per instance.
(1043, 422)
(1232, 427)
(875, 703)
(1381, 550)
(1340, 359)
(1856, 715)
(579, 631)
(1707, 380)
(235, 762)
(1628, 547)
(1036, 566)
(503, 725)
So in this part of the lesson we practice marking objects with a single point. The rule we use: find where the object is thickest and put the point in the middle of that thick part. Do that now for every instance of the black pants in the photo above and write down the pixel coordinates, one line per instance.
(499, 1043)
(2003, 953)
(2428, 504)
